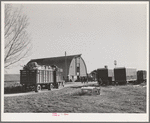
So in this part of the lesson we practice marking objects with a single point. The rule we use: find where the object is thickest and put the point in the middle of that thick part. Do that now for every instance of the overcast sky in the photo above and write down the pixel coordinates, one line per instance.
(100, 32)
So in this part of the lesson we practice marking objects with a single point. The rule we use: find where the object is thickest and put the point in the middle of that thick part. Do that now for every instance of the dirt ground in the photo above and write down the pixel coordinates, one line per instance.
(112, 99)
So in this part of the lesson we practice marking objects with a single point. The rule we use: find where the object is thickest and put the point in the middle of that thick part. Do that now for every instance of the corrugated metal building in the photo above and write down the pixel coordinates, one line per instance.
(73, 66)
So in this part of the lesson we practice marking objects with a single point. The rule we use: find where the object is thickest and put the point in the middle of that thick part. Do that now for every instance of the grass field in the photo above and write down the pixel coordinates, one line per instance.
(12, 77)
(113, 99)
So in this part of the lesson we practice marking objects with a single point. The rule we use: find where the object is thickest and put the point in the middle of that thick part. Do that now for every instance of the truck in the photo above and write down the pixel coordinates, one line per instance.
(124, 75)
(105, 76)
(40, 78)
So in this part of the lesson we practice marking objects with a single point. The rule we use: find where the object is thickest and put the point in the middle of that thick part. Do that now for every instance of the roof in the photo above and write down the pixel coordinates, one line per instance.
(62, 62)
(102, 68)
(58, 57)
(124, 68)
(119, 68)
(54, 60)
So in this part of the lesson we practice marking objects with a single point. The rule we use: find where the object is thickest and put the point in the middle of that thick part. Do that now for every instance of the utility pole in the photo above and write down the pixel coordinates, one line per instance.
(115, 63)
(66, 64)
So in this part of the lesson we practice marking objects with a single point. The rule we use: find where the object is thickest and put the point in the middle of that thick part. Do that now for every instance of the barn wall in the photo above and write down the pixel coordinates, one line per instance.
(83, 70)
(67, 63)
(72, 68)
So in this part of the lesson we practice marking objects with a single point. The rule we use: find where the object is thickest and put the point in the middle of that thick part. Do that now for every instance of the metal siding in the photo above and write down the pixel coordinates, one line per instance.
(75, 66)
(72, 68)
(83, 71)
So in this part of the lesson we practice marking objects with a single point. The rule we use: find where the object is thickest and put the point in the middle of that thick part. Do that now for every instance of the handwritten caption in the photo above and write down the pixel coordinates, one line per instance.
(62, 114)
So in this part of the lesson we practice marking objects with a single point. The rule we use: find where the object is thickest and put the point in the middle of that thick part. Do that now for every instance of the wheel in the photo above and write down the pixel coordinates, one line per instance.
(57, 85)
(37, 88)
(63, 84)
(116, 83)
(50, 86)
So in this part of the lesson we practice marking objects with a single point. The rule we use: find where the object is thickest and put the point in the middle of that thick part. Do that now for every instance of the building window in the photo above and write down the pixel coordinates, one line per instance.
(78, 70)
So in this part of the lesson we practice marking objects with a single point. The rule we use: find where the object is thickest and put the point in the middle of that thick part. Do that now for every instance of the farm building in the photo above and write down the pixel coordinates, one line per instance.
(73, 66)
(94, 75)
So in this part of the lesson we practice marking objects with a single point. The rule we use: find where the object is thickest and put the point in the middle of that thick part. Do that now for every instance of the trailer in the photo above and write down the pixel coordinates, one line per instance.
(38, 79)
(105, 76)
(141, 76)
(123, 75)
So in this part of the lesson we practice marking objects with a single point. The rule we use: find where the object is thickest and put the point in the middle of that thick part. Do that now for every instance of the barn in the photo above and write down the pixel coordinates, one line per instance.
(73, 66)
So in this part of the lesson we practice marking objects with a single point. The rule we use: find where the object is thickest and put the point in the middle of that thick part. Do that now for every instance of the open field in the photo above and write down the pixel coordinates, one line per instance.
(12, 77)
(113, 99)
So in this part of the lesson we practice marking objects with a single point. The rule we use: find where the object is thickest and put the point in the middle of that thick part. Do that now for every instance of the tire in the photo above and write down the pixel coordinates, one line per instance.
(57, 85)
(63, 84)
(116, 83)
(37, 88)
(49, 86)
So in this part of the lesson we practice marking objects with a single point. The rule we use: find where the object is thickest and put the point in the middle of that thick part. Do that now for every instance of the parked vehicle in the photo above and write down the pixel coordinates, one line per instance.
(141, 76)
(120, 75)
(123, 75)
(37, 78)
(105, 76)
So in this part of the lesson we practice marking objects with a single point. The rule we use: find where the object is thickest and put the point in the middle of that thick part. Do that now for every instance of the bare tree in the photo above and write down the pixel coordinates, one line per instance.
(17, 40)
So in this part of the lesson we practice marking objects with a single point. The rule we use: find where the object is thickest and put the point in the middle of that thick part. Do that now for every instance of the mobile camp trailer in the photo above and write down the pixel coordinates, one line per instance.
(123, 75)
(105, 76)
(141, 76)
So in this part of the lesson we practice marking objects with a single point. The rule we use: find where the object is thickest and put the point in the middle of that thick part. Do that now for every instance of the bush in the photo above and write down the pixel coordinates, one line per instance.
(13, 89)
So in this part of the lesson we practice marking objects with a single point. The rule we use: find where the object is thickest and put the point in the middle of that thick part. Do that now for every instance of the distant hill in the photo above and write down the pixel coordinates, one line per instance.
(11, 77)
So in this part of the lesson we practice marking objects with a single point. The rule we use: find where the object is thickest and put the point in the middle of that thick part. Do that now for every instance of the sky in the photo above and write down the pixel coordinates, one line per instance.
(100, 32)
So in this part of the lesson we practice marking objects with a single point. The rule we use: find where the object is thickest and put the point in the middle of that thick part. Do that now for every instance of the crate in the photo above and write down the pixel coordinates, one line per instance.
(93, 90)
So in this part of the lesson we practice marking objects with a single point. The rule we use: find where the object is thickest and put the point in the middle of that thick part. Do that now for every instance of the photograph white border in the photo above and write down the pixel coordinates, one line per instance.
(105, 117)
